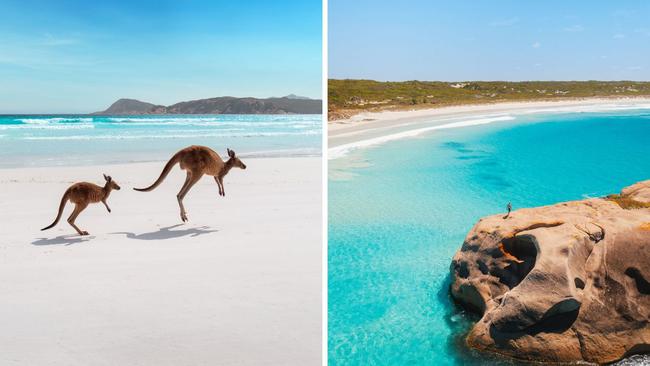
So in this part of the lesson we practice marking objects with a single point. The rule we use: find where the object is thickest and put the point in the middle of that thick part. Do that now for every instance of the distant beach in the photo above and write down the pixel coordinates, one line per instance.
(373, 128)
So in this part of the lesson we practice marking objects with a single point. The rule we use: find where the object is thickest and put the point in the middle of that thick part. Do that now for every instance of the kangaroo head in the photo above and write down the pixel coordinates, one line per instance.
(234, 160)
(110, 183)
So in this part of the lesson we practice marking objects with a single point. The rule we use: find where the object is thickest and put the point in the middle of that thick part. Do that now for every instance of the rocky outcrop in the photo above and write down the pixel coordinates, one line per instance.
(562, 283)
(131, 106)
(291, 104)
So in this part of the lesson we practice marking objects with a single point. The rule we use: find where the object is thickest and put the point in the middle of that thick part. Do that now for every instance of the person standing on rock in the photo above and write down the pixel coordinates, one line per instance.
(509, 208)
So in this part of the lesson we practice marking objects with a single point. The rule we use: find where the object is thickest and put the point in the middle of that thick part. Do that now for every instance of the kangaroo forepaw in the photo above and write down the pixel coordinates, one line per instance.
(184, 217)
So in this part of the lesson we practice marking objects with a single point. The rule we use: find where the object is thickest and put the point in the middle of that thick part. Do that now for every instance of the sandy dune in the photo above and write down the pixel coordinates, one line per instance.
(240, 284)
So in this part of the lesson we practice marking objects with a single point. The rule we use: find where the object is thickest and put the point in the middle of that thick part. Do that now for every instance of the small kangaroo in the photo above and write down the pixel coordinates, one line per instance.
(82, 194)
(197, 161)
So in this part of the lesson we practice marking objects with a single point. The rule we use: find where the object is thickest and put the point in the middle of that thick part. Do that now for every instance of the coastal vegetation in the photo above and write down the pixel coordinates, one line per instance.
(350, 96)
(627, 202)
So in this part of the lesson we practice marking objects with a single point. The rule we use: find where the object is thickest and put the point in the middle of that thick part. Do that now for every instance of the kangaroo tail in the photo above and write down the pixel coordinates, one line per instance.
(168, 167)
(64, 200)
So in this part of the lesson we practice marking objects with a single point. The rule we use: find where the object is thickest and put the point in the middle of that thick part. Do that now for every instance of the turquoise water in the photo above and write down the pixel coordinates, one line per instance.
(82, 139)
(399, 212)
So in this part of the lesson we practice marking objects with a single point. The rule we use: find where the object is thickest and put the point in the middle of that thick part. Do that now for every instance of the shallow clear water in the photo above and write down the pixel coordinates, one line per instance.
(399, 212)
(82, 139)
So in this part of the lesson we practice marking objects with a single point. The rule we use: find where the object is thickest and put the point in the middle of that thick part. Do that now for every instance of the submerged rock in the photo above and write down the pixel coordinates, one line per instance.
(562, 283)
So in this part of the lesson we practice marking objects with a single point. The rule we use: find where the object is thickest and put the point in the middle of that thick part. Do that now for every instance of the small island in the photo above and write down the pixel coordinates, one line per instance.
(290, 104)
(561, 283)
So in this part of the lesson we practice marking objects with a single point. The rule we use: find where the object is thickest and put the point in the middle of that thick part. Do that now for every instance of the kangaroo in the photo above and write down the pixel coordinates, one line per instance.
(197, 161)
(82, 194)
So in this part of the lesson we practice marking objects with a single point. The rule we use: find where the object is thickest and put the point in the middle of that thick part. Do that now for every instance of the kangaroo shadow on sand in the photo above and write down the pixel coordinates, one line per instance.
(168, 233)
(63, 240)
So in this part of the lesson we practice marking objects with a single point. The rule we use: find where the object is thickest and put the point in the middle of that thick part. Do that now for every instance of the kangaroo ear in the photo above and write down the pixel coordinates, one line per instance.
(108, 178)
(231, 153)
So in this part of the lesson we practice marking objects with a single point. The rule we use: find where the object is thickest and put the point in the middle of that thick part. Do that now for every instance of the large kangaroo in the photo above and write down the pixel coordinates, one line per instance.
(197, 161)
(82, 194)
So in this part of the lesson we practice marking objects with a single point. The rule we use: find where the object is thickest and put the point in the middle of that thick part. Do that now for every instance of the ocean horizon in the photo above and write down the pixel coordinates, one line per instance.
(73, 139)
(399, 211)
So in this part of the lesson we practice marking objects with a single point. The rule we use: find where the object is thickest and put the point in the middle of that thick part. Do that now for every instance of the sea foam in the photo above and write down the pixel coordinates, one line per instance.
(342, 150)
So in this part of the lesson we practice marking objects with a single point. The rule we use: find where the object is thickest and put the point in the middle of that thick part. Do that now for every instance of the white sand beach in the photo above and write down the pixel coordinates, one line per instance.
(374, 128)
(239, 284)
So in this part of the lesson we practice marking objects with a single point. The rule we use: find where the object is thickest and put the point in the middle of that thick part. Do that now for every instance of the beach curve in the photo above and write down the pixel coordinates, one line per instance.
(376, 128)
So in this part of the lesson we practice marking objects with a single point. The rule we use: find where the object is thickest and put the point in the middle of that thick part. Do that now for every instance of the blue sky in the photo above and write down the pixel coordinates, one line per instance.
(80, 56)
(489, 40)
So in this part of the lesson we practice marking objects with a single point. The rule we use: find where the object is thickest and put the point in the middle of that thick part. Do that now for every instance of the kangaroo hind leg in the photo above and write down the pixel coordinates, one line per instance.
(190, 180)
(77, 210)
(180, 200)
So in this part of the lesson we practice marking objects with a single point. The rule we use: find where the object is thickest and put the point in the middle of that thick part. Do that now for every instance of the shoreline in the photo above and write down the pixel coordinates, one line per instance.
(58, 141)
(367, 115)
(375, 128)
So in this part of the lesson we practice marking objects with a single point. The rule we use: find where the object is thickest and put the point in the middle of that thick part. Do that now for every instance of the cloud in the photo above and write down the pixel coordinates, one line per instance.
(505, 22)
(574, 28)
(623, 13)
(634, 68)
(536, 45)
(618, 36)
(51, 40)
(643, 31)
